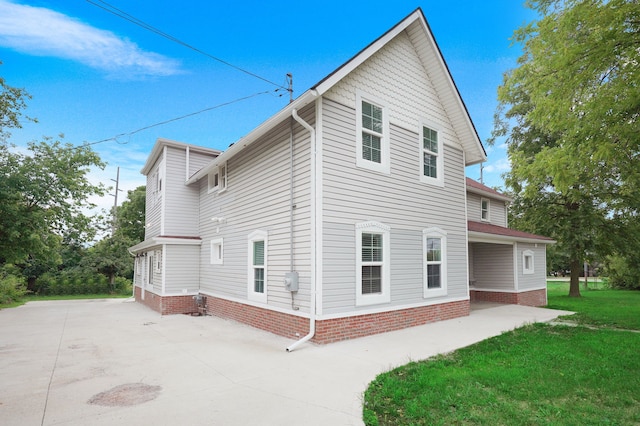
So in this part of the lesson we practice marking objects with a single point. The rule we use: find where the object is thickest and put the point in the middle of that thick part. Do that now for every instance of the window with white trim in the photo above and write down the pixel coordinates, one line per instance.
(150, 268)
(527, 262)
(372, 127)
(373, 277)
(217, 251)
(257, 271)
(484, 209)
(431, 158)
(217, 179)
(434, 248)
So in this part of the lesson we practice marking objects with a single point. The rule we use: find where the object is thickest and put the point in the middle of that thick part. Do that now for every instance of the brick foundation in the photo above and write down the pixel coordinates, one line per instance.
(167, 305)
(294, 327)
(527, 298)
(337, 329)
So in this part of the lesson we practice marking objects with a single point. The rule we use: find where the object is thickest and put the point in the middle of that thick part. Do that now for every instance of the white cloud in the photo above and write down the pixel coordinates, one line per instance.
(501, 165)
(45, 32)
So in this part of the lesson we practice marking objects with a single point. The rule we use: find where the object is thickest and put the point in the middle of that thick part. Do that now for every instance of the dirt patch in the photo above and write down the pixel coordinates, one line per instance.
(126, 395)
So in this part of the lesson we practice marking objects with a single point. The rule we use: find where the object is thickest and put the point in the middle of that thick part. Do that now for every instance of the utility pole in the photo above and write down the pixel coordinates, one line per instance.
(290, 88)
(115, 202)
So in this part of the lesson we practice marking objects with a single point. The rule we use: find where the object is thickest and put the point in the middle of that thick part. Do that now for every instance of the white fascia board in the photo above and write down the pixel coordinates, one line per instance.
(488, 194)
(158, 148)
(158, 241)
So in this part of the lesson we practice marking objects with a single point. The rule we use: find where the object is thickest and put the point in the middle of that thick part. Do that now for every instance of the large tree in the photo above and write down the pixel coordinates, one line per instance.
(130, 215)
(570, 112)
(44, 191)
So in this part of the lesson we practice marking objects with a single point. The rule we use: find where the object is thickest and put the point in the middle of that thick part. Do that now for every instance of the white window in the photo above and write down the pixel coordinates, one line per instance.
(257, 270)
(484, 209)
(527, 262)
(372, 133)
(217, 251)
(434, 248)
(431, 156)
(150, 268)
(373, 277)
(217, 179)
(158, 261)
(222, 172)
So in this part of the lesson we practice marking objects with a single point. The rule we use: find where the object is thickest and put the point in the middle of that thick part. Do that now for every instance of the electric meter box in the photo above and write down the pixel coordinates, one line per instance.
(291, 281)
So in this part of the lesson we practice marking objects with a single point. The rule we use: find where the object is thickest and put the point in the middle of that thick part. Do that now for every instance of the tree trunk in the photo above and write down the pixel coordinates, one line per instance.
(112, 281)
(31, 284)
(574, 284)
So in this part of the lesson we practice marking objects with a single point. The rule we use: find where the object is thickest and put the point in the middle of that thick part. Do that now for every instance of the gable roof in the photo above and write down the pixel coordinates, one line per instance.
(476, 187)
(507, 234)
(429, 52)
(158, 147)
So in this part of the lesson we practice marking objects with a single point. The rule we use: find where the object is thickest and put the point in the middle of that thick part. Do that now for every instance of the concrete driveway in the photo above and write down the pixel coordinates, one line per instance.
(106, 362)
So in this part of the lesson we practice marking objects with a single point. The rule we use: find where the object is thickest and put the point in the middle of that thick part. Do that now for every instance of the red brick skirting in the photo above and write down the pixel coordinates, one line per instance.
(527, 298)
(167, 305)
(336, 329)
(295, 327)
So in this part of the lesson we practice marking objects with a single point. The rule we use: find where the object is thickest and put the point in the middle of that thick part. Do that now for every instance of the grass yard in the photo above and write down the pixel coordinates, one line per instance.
(31, 298)
(536, 375)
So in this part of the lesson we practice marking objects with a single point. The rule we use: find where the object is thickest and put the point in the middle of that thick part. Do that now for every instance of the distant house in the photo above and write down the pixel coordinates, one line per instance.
(345, 214)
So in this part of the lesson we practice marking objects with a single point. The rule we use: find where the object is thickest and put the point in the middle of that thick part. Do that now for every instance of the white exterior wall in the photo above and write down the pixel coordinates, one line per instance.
(399, 200)
(181, 205)
(497, 209)
(181, 269)
(537, 280)
(153, 209)
(258, 198)
(493, 266)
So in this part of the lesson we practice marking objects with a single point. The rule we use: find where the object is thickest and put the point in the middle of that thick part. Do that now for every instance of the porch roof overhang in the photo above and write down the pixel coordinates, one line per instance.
(164, 240)
(485, 232)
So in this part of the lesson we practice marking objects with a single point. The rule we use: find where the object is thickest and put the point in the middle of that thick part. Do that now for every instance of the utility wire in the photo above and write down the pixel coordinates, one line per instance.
(124, 15)
(115, 138)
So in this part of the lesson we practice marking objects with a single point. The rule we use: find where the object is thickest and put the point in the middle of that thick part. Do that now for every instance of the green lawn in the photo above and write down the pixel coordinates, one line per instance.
(32, 298)
(536, 375)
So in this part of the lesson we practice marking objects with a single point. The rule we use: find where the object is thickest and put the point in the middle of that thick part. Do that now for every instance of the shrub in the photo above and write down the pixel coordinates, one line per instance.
(12, 287)
(623, 272)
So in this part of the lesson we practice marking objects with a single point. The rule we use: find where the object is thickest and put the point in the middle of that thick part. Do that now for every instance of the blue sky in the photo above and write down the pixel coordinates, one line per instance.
(94, 75)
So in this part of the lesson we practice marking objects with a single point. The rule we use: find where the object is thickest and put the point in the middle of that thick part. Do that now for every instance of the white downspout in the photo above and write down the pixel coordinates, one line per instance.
(312, 301)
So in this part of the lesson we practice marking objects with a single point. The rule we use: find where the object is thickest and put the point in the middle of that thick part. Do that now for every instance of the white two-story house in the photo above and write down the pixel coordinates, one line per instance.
(345, 214)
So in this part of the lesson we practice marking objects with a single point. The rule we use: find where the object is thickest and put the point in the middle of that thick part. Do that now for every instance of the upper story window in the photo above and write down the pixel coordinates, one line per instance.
(257, 270)
(434, 246)
(372, 127)
(484, 209)
(431, 156)
(373, 275)
(217, 180)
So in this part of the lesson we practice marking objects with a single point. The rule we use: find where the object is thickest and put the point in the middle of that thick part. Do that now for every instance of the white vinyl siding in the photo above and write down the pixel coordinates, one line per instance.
(181, 201)
(153, 207)
(537, 278)
(497, 209)
(493, 266)
(182, 269)
(258, 197)
(400, 201)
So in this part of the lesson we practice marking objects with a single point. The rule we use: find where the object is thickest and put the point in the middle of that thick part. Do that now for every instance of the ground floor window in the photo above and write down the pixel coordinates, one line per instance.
(434, 243)
(373, 263)
(257, 270)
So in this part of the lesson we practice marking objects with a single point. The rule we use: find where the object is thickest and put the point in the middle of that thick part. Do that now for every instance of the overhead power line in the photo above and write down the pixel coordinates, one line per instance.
(115, 138)
(124, 15)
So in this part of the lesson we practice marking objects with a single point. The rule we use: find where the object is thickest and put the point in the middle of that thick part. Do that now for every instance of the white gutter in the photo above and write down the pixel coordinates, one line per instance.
(312, 301)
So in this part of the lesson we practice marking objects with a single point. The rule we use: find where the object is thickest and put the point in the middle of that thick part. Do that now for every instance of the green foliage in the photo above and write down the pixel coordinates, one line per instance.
(536, 375)
(570, 114)
(12, 102)
(77, 282)
(42, 194)
(624, 272)
(130, 216)
(12, 286)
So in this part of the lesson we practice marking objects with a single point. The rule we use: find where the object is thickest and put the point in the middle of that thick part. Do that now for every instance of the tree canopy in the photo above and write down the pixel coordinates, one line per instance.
(569, 112)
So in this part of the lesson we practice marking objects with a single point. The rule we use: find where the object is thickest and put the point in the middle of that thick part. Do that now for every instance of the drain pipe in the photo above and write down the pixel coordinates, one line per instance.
(312, 301)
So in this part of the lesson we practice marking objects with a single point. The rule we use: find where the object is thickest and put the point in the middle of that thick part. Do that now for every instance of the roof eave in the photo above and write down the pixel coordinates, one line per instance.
(478, 237)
